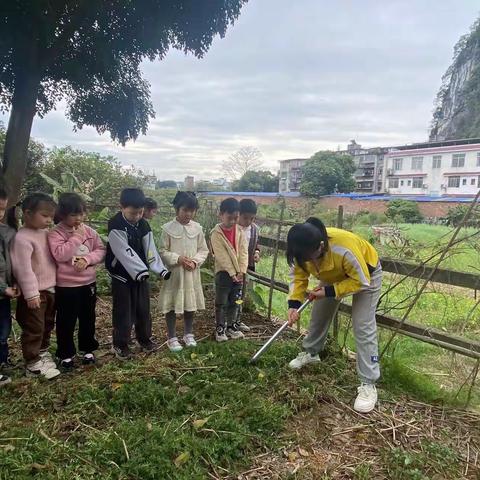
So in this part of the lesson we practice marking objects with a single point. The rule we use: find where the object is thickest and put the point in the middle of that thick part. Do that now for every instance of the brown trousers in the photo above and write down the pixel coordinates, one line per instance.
(37, 325)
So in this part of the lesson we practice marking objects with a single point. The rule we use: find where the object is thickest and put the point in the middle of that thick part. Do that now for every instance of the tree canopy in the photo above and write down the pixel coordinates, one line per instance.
(240, 162)
(327, 172)
(256, 181)
(88, 53)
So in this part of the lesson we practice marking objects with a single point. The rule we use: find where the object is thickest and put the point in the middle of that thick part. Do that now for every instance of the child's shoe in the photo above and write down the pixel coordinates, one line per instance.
(174, 345)
(46, 356)
(243, 327)
(4, 380)
(42, 368)
(67, 363)
(189, 340)
(122, 353)
(88, 359)
(234, 332)
(220, 335)
(149, 347)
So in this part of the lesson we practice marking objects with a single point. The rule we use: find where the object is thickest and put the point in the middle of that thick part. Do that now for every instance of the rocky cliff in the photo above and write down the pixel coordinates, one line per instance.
(457, 111)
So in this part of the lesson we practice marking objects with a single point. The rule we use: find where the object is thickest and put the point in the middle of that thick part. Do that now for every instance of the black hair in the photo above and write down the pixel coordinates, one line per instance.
(304, 239)
(186, 200)
(31, 203)
(247, 205)
(150, 203)
(70, 203)
(230, 205)
(132, 197)
(3, 194)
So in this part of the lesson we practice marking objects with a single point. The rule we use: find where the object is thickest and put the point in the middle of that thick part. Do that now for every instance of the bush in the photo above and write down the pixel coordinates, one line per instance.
(403, 211)
(455, 216)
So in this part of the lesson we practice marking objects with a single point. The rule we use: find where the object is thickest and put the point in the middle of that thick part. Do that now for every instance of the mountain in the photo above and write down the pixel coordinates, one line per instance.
(457, 111)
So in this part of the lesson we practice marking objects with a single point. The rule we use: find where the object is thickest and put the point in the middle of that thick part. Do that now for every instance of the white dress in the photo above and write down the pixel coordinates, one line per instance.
(182, 292)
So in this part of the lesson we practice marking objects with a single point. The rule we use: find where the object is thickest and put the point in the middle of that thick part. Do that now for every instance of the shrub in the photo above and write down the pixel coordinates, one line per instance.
(403, 211)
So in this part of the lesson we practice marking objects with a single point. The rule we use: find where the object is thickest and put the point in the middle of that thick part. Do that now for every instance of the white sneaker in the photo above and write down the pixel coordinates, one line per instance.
(42, 368)
(46, 356)
(302, 359)
(243, 327)
(174, 345)
(189, 340)
(366, 398)
(4, 380)
(220, 335)
(234, 333)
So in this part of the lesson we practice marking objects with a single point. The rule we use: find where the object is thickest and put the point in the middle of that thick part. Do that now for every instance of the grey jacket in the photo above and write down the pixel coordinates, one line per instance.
(6, 279)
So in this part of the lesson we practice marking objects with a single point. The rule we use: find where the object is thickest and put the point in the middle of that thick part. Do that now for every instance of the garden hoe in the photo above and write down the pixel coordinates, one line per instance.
(305, 304)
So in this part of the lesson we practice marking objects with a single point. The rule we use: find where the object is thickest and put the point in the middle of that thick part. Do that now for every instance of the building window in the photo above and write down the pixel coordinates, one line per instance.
(409, 183)
(464, 181)
(393, 183)
(417, 163)
(437, 161)
(478, 159)
(417, 183)
(401, 183)
(453, 182)
(397, 163)
(472, 181)
(458, 160)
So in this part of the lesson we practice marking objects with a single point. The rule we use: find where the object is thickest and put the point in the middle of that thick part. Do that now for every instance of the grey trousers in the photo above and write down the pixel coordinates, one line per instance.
(364, 323)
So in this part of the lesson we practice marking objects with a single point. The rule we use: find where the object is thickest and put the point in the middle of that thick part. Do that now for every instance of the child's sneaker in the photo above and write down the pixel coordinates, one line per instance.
(46, 356)
(88, 359)
(42, 368)
(234, 332)
(149, 347)
(4, 380)
(243, 327)
(189, 340)
(122, 353)
(302, 359)
(174, 345)
(67, 363)
(220, 335)
(366, 398)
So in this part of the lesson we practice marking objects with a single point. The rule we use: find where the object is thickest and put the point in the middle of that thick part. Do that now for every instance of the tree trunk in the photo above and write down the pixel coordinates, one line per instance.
(18, 134)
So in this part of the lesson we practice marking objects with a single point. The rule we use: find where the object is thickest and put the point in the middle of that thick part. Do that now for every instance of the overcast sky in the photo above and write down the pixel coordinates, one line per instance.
(291, 78)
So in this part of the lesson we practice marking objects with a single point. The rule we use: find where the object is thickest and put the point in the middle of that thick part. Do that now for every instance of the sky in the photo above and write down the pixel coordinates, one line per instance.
(290, 78)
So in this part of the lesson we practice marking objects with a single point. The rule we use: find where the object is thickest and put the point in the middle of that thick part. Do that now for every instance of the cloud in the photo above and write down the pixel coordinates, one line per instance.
(291, 78)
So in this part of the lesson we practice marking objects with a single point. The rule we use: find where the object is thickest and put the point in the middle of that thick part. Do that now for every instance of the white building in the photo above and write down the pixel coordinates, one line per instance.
(291, 174)
(437, 168)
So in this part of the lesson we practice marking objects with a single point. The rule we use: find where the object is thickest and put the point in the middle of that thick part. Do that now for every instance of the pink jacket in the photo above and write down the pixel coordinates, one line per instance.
(32, 264)
(65, 243)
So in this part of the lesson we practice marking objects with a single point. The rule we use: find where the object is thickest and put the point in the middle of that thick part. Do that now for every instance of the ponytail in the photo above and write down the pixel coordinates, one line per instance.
(11, 217)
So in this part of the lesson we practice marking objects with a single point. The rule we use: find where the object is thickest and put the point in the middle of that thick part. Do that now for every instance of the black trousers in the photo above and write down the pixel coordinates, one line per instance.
(227, 293)
(131, 306)
(75, 303)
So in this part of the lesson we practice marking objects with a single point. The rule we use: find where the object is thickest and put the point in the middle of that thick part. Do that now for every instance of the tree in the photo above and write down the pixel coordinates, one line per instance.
(205, 186)
(403, 211)
(240, 162)
(327, 172)
(166, 184)
(256, 181)
(88, 53)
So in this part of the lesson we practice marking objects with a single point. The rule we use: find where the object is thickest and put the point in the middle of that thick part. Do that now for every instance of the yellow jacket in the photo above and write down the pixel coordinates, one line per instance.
(343, 270)
(226, 258)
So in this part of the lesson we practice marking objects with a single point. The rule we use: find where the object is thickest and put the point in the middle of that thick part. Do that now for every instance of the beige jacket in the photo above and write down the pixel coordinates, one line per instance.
(226, 258)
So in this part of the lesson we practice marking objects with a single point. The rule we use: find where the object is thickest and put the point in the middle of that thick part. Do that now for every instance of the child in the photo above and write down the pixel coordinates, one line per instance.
(8, 289)
(150, 209)
(231, 261)
(35, 271)
(131, 252)
(183, 250)
(76, 248)
(248, 211)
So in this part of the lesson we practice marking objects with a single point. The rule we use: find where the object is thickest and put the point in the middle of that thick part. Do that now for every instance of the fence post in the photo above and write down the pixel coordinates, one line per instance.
(339, 225)
(274, 264)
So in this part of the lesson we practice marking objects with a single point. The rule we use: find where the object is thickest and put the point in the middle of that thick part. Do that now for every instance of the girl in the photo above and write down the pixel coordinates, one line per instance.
(76, 248)
(183, 249)
(345, 264)
(34, 269)
(8, 289)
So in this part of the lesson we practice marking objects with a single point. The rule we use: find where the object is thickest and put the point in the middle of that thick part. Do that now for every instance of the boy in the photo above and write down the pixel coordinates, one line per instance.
(150, 209)
(248, 211)
(131, 253)
(231, 261)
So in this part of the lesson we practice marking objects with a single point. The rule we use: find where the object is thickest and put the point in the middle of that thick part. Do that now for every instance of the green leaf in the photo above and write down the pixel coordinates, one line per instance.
(181, 459)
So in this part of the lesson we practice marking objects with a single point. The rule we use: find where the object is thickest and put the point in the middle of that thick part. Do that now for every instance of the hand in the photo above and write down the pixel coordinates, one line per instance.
(192, 265)
(238, 278)
(80, 264)
(80, 229)
(11, 292)
(317, 293)
(17, 289)
(293, 316)
(34, 303)
(256, 256)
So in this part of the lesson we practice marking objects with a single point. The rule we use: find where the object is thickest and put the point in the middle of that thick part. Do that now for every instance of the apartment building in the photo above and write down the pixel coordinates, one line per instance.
(447, 168)
(291, 174)
(369, 163)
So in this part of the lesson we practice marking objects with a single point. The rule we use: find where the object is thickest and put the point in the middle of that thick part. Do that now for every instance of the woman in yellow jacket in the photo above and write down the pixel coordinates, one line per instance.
(346, 265)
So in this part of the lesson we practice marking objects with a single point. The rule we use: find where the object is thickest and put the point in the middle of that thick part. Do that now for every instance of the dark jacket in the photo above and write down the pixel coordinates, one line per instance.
(253, 246)
(6, 279)
(131, 251)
